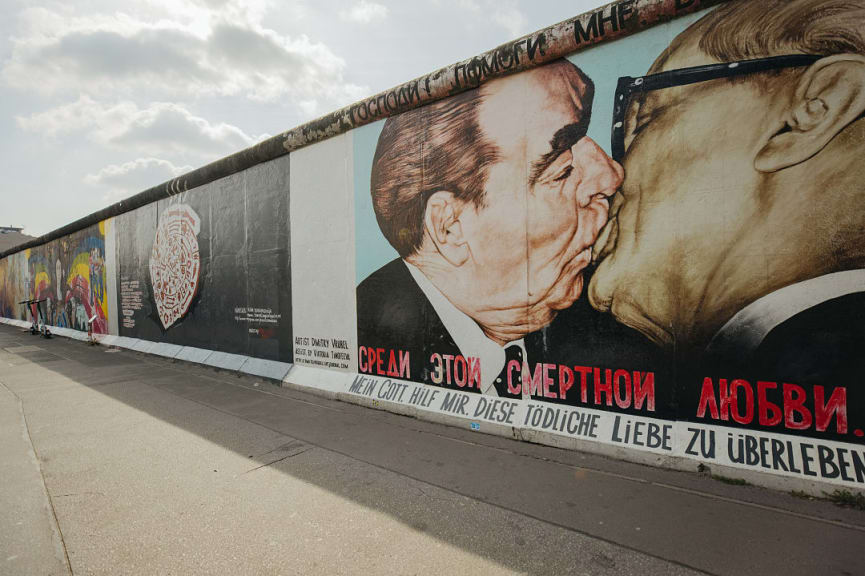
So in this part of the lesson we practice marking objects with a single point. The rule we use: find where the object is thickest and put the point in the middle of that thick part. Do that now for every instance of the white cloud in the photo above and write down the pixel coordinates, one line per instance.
(504, 13)
(171, 127)
(509, 17)
(121, 180)
(221, 51)
(160, 128)
(364, 12)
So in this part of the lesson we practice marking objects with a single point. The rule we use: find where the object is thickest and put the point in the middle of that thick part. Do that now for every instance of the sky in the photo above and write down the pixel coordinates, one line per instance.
(100, 100)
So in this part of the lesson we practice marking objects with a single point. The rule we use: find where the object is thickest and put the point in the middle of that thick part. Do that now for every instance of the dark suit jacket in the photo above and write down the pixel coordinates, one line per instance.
(394, 314)
(582, 336)
(821, 346)
(824, 344)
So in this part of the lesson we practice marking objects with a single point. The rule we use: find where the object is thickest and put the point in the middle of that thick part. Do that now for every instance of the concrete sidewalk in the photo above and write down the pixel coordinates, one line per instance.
(159, 467)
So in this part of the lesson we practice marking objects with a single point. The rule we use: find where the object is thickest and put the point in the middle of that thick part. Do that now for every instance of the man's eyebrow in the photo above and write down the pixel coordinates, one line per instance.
(562, 140)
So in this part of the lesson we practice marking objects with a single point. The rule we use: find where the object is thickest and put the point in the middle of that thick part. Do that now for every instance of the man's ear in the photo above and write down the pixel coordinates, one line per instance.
(442, 225)
(830, 95)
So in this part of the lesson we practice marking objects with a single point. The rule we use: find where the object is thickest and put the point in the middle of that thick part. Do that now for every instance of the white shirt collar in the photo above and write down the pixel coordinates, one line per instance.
(467, 335)
(745, 331)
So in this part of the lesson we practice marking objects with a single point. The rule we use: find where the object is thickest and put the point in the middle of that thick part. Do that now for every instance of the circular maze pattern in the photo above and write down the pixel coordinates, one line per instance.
(175, 263)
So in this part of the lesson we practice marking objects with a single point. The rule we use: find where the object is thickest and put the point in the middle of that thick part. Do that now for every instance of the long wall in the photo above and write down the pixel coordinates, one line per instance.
(590, 244)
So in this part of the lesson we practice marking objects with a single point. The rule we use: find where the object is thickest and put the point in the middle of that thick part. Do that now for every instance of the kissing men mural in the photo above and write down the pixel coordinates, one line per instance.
(739, 245)
(719, 232)
(487, 255)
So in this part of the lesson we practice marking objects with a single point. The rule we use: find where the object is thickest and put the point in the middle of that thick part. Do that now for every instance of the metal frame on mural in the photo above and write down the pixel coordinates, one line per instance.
(607, 23)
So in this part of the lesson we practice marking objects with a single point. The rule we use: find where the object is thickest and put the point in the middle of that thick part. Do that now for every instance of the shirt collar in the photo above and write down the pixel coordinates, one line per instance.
(467, 335)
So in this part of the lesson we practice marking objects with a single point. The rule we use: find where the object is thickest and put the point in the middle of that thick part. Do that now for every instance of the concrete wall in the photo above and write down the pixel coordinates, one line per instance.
(688, 292)
(209, 267)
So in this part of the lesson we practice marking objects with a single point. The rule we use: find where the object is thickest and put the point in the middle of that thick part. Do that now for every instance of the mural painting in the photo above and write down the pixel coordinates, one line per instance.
(12, 287)
(696, 258)
(68, 274)
(741, 253)
(209, 267)
(655, 244)
(175, 263)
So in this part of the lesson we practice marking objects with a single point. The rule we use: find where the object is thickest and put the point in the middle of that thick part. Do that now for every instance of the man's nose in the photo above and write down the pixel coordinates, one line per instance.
(602, 175)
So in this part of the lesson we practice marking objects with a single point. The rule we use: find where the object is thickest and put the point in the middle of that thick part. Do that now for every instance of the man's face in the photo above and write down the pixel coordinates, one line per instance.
(546, 198)
(689, 207)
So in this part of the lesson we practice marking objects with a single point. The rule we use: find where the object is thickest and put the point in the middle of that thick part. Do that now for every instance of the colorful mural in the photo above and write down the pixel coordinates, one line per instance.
(654, 244)
(656, 231)
(68, 274)
(12, 285)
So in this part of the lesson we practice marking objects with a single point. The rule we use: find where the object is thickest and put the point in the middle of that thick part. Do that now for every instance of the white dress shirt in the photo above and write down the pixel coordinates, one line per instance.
(468, 336)
(745, 331)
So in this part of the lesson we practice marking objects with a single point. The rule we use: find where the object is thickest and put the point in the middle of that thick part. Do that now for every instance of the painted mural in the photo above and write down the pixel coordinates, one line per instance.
(646, 241)
(67, 274)
(13, 289)
(654, 244)
(175, 263)
(209, 267)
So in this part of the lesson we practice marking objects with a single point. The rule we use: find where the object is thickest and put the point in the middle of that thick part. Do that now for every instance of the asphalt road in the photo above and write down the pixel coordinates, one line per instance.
(114, 462)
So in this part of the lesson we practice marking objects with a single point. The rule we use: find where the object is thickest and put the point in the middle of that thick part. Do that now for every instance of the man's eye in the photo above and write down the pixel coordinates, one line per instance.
(564, 174)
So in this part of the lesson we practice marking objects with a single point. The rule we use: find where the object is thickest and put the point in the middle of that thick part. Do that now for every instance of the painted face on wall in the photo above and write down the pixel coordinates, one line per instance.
(683, 231)
(546, 198)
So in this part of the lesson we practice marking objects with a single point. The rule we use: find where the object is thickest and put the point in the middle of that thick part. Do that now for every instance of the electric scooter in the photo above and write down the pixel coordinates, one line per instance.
(38, 324)
(31, 309)
(46, 333)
